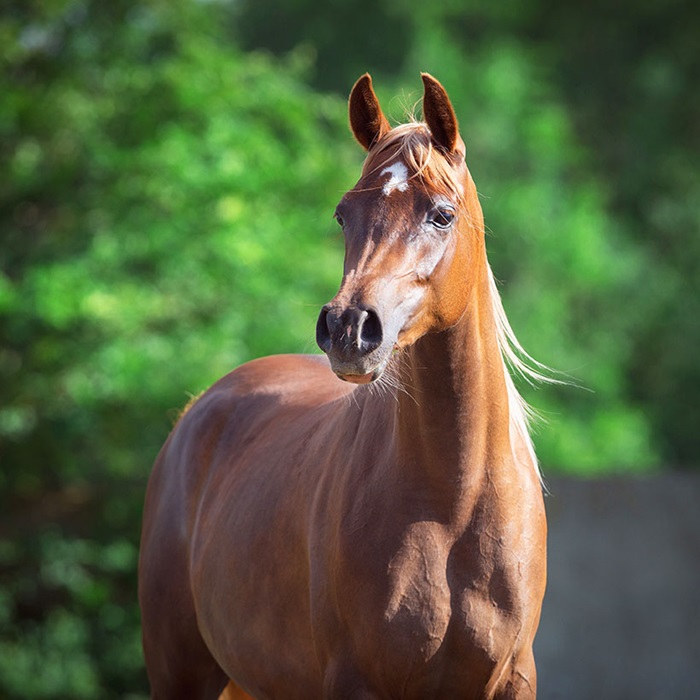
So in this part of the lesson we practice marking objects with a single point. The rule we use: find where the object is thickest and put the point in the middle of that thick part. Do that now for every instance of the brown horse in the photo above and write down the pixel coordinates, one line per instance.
(377, 537)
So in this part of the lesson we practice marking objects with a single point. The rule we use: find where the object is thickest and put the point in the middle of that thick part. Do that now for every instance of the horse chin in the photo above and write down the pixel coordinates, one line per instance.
(363, 377)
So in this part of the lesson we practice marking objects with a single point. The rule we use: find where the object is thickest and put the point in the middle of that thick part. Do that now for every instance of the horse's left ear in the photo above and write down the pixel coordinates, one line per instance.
(439, 115)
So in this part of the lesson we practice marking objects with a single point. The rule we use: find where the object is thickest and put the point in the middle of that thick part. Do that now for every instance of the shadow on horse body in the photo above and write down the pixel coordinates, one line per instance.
(377, 537)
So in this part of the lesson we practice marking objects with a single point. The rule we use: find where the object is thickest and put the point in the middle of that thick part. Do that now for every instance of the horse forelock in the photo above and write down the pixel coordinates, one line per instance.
(412, 143)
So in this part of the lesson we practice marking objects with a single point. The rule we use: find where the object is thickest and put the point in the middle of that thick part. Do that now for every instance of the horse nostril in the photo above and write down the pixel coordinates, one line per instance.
(323, 334)
(370, 331)
(355, 330)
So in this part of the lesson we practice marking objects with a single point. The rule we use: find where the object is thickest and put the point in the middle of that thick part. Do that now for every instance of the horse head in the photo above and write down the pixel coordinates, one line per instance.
(412, 227)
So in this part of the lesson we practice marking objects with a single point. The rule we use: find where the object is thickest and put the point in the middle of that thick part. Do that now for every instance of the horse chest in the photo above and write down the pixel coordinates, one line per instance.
(425, 631)
(418, 592)
(443, 621)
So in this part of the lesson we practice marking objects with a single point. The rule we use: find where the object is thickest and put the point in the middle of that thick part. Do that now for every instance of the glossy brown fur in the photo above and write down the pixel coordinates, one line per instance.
(310, 538)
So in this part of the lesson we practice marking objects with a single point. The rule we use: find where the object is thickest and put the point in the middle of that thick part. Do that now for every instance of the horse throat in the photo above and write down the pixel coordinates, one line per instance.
(454, 417)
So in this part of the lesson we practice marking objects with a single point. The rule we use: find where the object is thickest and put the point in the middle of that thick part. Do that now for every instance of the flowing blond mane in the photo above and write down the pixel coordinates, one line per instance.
(517, 360)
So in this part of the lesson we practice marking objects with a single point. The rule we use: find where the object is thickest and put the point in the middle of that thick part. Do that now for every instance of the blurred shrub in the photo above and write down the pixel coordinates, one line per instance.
(168, 215)
(179, 211)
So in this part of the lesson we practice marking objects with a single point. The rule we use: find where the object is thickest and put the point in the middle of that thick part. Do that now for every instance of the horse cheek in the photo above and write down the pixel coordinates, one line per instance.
(452, 292)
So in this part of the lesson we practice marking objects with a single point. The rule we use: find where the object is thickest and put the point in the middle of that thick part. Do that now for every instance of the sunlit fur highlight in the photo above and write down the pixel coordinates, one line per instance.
(413, 143)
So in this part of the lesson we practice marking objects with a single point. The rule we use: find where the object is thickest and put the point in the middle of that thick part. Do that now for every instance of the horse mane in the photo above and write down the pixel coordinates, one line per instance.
(516, 360)
(413, 143)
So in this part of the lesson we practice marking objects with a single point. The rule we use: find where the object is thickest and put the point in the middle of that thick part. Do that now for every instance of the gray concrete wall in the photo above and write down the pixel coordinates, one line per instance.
(621, 617)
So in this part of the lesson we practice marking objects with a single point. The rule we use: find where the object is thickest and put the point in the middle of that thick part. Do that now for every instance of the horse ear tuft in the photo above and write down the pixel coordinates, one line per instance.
(367, 120)
(439, 114)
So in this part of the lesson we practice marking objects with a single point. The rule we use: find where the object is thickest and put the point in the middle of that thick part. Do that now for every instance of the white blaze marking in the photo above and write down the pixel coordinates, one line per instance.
(398, 180)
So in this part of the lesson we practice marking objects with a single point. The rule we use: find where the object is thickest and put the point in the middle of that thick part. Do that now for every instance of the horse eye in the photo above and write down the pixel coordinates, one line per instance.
(340, 220)
(442, 217)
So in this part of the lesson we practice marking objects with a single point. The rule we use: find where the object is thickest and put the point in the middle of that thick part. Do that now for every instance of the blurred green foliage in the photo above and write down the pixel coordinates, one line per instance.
(165, 214)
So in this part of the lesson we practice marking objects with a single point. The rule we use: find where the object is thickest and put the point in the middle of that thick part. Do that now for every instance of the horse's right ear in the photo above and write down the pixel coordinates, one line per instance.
(367, 120)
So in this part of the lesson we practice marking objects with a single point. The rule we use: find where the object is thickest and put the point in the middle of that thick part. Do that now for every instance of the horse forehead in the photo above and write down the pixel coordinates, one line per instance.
(435, 180)
(389, 190)
(390, 198)
(398, 178)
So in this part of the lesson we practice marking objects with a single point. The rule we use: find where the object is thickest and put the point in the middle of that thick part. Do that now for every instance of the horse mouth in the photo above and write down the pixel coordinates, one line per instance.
(364, 378)
(361, 378)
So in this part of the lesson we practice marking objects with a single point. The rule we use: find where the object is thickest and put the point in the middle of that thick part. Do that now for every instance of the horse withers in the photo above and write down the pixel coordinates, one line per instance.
(377, 537)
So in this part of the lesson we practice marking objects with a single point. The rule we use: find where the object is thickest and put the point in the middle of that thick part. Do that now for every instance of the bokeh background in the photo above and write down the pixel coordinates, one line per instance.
(169, 170)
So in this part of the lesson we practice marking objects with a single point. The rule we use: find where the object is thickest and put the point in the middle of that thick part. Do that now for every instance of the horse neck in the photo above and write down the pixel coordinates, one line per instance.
(453, 419)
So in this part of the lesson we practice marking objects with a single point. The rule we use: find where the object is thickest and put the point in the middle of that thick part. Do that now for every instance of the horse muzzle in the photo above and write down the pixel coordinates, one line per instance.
(353, 339)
